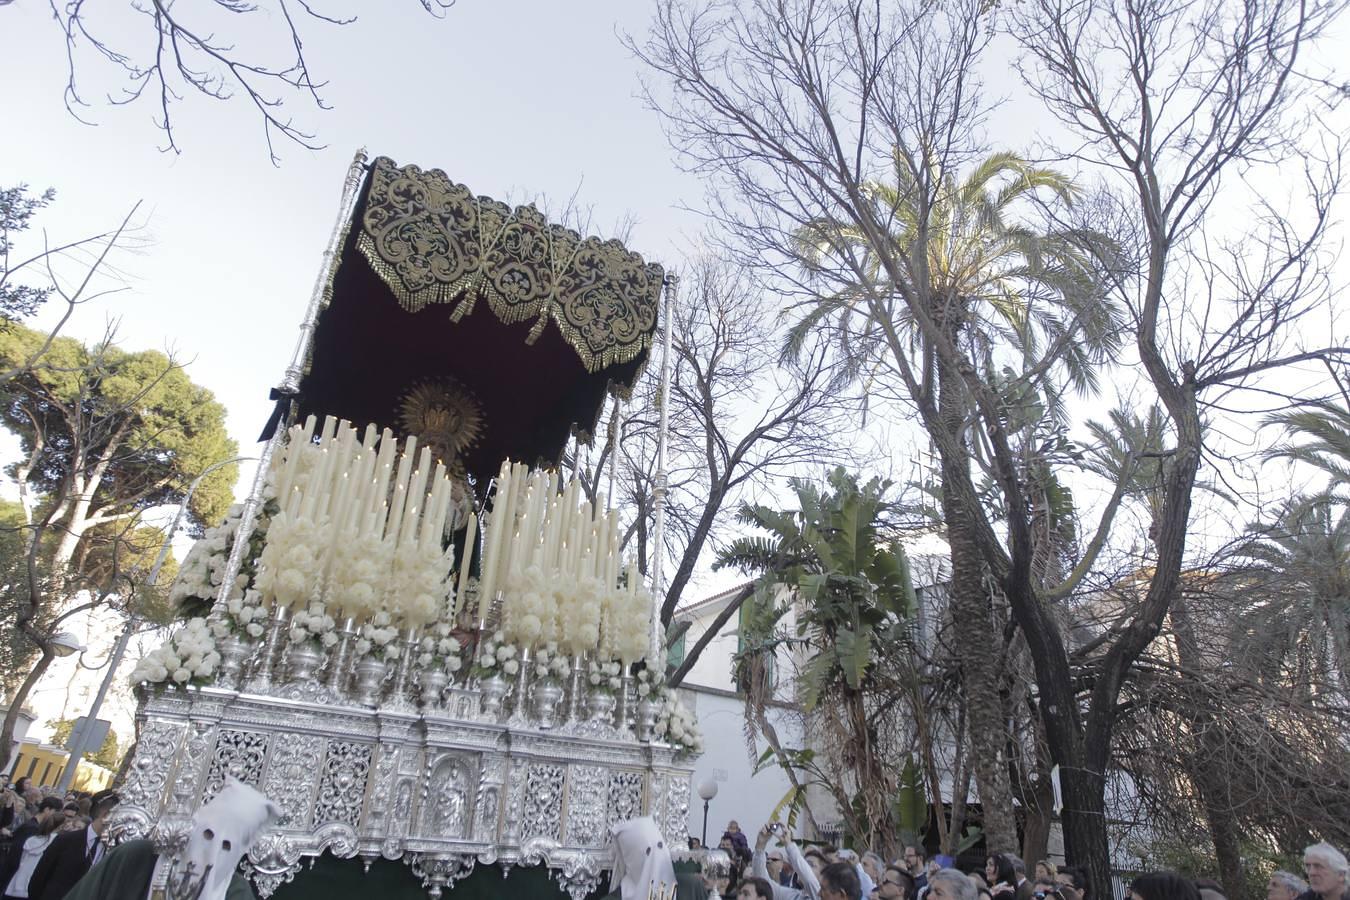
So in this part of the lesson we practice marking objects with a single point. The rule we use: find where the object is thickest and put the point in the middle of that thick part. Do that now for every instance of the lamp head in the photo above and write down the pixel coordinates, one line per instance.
(64, 644)
(707, 789)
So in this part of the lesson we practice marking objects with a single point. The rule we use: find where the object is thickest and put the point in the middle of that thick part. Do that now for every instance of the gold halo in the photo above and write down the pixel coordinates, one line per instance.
(444, 415)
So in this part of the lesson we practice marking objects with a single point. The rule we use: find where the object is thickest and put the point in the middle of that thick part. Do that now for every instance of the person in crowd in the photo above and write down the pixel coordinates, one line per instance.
(695, 843)
(31, 850)
(1163, 886)
(1327, 869)
(1045, 870)
(804, 866)
(47, 808)
(739, 840)
(874, 866)
(949, 884)
(895, 884)
(1285, 886)
(72, 855)
(839, 881)
(1000, 875)
(773, 860)
(754, 888)
(865, 881)
(1072, 883)
(1209, 889)
(13, 812)
(916, 862)
(1020, 876)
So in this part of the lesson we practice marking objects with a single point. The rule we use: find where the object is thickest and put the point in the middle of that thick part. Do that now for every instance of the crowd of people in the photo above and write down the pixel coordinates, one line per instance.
(777, 868)
(48, 842)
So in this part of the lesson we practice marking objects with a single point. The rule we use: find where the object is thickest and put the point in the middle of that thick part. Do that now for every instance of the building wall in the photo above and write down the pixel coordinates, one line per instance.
(729, 762)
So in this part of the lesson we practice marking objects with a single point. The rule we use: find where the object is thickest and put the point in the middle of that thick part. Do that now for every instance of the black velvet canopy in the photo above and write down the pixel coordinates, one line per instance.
(433, 284)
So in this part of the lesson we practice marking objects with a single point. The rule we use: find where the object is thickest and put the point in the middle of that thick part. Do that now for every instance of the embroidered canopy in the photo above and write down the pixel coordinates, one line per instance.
(434, 285)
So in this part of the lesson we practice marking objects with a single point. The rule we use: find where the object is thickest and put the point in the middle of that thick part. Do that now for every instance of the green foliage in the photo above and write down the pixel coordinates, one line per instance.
(911, 803)
(17, 208)
(109, 755)
(856, 600)
(854, 582)
(136, 415)
(16, 650)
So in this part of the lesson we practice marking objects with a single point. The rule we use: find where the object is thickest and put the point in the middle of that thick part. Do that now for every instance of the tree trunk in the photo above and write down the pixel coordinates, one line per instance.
(972, 612)
(16, 702)
(1206, 762)
(1084, 822)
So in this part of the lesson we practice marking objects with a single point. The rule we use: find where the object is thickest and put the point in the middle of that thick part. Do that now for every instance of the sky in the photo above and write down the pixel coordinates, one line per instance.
(516, 100)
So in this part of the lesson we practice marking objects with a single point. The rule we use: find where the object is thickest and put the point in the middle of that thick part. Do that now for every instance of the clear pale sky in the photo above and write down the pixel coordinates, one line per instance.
(516, 100)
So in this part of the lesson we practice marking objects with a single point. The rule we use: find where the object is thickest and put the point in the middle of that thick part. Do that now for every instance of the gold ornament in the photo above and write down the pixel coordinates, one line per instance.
(445, 416)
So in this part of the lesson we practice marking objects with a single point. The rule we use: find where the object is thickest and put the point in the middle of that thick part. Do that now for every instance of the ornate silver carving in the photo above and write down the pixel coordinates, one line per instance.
(577, 872)
(446, 812)
(272, 861)
(238, 755)
(343, 784)
(625, 797)
(149, 771)
(455, 792)
(587, 805)
(292, 774)
(440, 870)
(543, 801)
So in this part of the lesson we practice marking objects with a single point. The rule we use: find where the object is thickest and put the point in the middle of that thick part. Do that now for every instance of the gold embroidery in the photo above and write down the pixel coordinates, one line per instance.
(432, 241)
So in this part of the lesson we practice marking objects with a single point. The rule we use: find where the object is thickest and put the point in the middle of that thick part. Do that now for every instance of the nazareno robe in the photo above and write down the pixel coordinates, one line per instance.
(124, 874)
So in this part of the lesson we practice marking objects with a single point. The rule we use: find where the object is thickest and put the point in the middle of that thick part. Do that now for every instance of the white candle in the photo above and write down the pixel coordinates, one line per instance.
(466, 559)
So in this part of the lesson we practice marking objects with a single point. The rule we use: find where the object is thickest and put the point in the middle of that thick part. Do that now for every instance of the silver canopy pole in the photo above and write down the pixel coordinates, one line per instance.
(655, 656)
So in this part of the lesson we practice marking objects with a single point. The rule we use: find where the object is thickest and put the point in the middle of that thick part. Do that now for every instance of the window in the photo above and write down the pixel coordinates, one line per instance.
(675, 652)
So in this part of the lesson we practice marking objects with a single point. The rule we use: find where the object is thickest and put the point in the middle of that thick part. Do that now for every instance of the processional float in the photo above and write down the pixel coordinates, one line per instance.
(414, 635)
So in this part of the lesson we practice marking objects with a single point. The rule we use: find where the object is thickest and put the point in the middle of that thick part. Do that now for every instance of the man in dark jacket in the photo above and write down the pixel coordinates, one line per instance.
(72, 854)
(47, 807)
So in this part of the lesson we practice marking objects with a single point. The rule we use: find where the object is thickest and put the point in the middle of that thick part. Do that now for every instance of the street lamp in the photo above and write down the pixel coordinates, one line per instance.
(64, 643)
(120, 648)
(707, 789)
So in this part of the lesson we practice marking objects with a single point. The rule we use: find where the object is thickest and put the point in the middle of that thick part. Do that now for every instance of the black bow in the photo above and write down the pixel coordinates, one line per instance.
(284, 399)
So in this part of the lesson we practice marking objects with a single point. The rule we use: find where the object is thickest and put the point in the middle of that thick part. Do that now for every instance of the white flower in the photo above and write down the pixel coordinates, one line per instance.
(453, 664)
(181, 675)
(614, 684)
(330, 639)
(425, 660)
(255, 630)
(511, 667)
(362, 647)
(644, 689)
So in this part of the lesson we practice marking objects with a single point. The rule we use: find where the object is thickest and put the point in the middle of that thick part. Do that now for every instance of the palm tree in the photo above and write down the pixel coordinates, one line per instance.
(854, 602)
(1300, 617)
(962, 290)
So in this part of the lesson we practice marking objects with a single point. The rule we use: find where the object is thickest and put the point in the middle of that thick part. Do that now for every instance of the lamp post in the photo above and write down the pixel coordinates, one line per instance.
(707, 789)
(120, 648)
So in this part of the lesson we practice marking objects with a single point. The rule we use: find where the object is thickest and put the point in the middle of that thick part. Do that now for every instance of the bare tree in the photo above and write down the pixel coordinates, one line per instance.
(167, 50)
(799, 107)
(738, 421)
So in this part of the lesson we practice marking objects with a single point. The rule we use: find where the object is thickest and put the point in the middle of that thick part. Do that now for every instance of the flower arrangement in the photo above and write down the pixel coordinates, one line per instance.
(496, 657)
(605, 676)
(676, 724)
(290, 564)
(313, 626)
(197, 584)
(246, 614)
(380, 636)
(188, 657)
(440, 649)
(549, 661)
